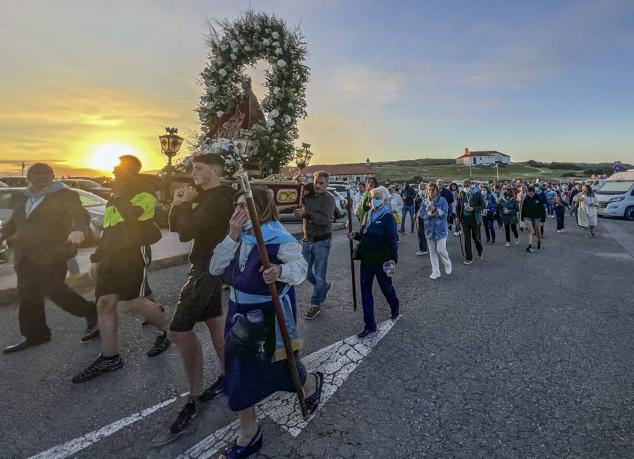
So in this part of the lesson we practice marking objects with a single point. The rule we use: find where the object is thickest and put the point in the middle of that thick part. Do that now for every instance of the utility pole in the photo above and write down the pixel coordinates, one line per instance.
(23, 167)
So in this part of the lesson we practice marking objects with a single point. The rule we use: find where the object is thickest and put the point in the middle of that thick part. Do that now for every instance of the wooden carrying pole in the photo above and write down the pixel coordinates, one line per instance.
(275, 296)
(351, 246)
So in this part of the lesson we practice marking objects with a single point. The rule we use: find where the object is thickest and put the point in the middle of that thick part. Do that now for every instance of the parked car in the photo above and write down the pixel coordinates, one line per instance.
(95, 205)
(15, 181)
(341, 187)
(3, 185)
(88, 185)
(105, 182)
(287, 215)
(615, 198)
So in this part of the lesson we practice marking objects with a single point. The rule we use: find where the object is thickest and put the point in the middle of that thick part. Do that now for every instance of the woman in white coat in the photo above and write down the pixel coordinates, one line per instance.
(586, 210)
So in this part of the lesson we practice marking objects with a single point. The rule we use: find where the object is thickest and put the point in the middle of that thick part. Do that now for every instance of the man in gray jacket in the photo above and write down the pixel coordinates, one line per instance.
(317, 213)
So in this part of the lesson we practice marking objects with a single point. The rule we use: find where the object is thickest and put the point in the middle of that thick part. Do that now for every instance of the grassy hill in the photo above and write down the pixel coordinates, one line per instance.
(447, 169)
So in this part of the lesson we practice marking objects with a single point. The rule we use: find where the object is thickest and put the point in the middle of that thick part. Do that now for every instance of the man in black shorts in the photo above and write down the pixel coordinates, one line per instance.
(201, 213)
(120, 265)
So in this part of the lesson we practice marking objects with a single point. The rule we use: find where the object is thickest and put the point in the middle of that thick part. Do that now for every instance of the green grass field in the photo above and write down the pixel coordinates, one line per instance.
(406, 170)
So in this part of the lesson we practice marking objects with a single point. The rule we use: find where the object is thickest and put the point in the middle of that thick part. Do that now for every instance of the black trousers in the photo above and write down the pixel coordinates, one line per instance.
(507, 230)
(471, 231)
(38, 281)
(422, 241)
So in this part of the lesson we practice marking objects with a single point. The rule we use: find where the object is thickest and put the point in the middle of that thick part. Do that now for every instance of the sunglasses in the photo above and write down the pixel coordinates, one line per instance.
(240, 204)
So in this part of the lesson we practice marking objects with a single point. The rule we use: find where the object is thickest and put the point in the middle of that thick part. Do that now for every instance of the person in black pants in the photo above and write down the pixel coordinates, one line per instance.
(47, 223)
(422, 240)
(469, 215)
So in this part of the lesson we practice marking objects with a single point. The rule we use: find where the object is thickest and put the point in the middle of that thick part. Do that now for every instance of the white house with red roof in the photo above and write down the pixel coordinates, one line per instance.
(356, 173)
(483, 158)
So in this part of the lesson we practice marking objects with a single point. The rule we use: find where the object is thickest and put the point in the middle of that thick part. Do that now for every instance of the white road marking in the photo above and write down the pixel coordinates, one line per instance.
(336, 361)
(73, 446)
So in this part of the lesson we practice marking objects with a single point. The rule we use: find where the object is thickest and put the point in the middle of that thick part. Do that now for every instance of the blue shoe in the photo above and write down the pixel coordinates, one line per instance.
(312, 402)
(239, 452)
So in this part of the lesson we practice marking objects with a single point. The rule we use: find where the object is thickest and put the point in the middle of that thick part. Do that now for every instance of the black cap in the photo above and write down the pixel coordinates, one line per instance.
(209, 158)
(129, 163)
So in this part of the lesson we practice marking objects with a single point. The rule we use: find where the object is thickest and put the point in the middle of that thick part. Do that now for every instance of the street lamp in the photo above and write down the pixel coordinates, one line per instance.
(170, 144)
(302, 159)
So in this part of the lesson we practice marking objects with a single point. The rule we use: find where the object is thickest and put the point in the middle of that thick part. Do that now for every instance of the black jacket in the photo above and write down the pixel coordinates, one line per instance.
(41, 238)
(476, 202)
(533, 207)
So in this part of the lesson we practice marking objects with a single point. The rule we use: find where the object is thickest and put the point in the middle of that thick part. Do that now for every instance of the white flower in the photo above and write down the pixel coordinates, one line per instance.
(281, 63)
(219, 113)
(267, 30)
(212, 89)
(222, 72)
(210, 105)
(275, 35)
(247, 48)
(270, 123)
(274, 113)
(233, 57)
(266, 42)
(276, 44)
(242, 41)
(275, 140)
(278, 51)
(233, 43)
(276, 91)
(287, 119)
(223, 47)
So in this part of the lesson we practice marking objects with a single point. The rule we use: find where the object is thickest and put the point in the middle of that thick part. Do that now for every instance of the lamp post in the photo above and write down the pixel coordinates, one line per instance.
(303, 156)
(170, 144)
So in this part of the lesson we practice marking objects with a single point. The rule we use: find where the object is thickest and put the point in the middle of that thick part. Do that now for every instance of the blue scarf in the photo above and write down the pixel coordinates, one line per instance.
(273, 232)
(378, 213)
(52, 188)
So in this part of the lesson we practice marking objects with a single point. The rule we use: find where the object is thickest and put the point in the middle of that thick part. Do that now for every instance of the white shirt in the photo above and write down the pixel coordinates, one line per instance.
(294, 266)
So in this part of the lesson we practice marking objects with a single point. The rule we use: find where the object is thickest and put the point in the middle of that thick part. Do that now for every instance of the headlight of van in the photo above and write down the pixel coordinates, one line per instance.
(620, 198)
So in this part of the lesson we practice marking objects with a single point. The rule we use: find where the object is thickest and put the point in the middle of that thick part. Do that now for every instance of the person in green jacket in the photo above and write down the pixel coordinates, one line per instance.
(533, 213)
(469, 215)
(365, 203)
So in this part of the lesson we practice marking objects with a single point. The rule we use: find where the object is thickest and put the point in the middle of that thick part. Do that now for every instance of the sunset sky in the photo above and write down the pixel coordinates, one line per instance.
(83, 81)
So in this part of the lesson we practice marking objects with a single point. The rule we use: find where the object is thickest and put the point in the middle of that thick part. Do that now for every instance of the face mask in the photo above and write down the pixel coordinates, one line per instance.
(376, 203)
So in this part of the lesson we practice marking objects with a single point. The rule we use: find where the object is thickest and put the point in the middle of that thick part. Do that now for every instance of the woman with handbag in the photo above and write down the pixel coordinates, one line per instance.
(510, 210)
(255, 360)
(378, 252)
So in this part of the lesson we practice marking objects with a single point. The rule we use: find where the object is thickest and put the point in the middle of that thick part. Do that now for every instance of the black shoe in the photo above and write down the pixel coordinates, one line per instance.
(529, 249)
(234, 451)
(312, 402)
(98, 367)
(90, 334)
(27, 343)
(214, 390)
(187, 414)
(161, 344)
(394, 315)
(539, 244)
(365, 333)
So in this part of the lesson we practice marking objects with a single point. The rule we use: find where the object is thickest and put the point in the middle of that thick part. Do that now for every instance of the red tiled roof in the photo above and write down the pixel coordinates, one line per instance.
(482, 153)
(334, 169)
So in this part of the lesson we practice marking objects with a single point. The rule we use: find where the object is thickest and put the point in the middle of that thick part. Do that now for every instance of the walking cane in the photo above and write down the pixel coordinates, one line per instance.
(351, 246)
(275, 296)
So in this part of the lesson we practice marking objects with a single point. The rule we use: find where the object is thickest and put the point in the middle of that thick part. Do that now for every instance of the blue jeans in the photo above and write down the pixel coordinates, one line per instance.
(385, 283)
(489, 228)
(316, 255)
(404, 212)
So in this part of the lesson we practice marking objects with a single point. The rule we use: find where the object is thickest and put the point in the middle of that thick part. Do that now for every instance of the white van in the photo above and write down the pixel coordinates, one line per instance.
(616, 197)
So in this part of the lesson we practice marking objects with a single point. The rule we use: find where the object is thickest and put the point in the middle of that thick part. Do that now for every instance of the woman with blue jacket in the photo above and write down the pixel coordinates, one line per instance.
(378, 246)
(489, 214)
(434, 211)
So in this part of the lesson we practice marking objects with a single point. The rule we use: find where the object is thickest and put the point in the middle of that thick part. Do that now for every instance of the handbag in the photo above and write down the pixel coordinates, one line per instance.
(245, 337)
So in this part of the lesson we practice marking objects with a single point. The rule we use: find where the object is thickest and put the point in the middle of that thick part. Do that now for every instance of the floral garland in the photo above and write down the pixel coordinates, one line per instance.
(234, 45)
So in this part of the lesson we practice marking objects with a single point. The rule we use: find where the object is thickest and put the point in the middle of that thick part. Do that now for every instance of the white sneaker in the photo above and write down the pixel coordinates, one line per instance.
(563, 231)
(456, 234)
(434, 276)
(448, 271)
(468, 262)
(517, 241)
(508, 244)
(558, 231)
(420, 252)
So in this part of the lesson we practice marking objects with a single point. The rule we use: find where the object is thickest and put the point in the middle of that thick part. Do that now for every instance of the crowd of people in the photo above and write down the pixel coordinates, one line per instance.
(48, 223)
(464, 208)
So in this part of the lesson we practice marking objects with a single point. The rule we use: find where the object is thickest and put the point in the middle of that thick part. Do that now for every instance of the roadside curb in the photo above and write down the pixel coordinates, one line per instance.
(83, 284)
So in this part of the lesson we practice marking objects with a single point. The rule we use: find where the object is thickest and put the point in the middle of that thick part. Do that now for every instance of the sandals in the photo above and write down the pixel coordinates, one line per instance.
(313, 401)
(239, 452)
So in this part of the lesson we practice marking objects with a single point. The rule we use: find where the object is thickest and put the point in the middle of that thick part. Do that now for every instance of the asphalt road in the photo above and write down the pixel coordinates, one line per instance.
(519, 355)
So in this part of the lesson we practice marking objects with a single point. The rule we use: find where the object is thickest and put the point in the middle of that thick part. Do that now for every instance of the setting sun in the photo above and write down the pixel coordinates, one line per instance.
(107, 156)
